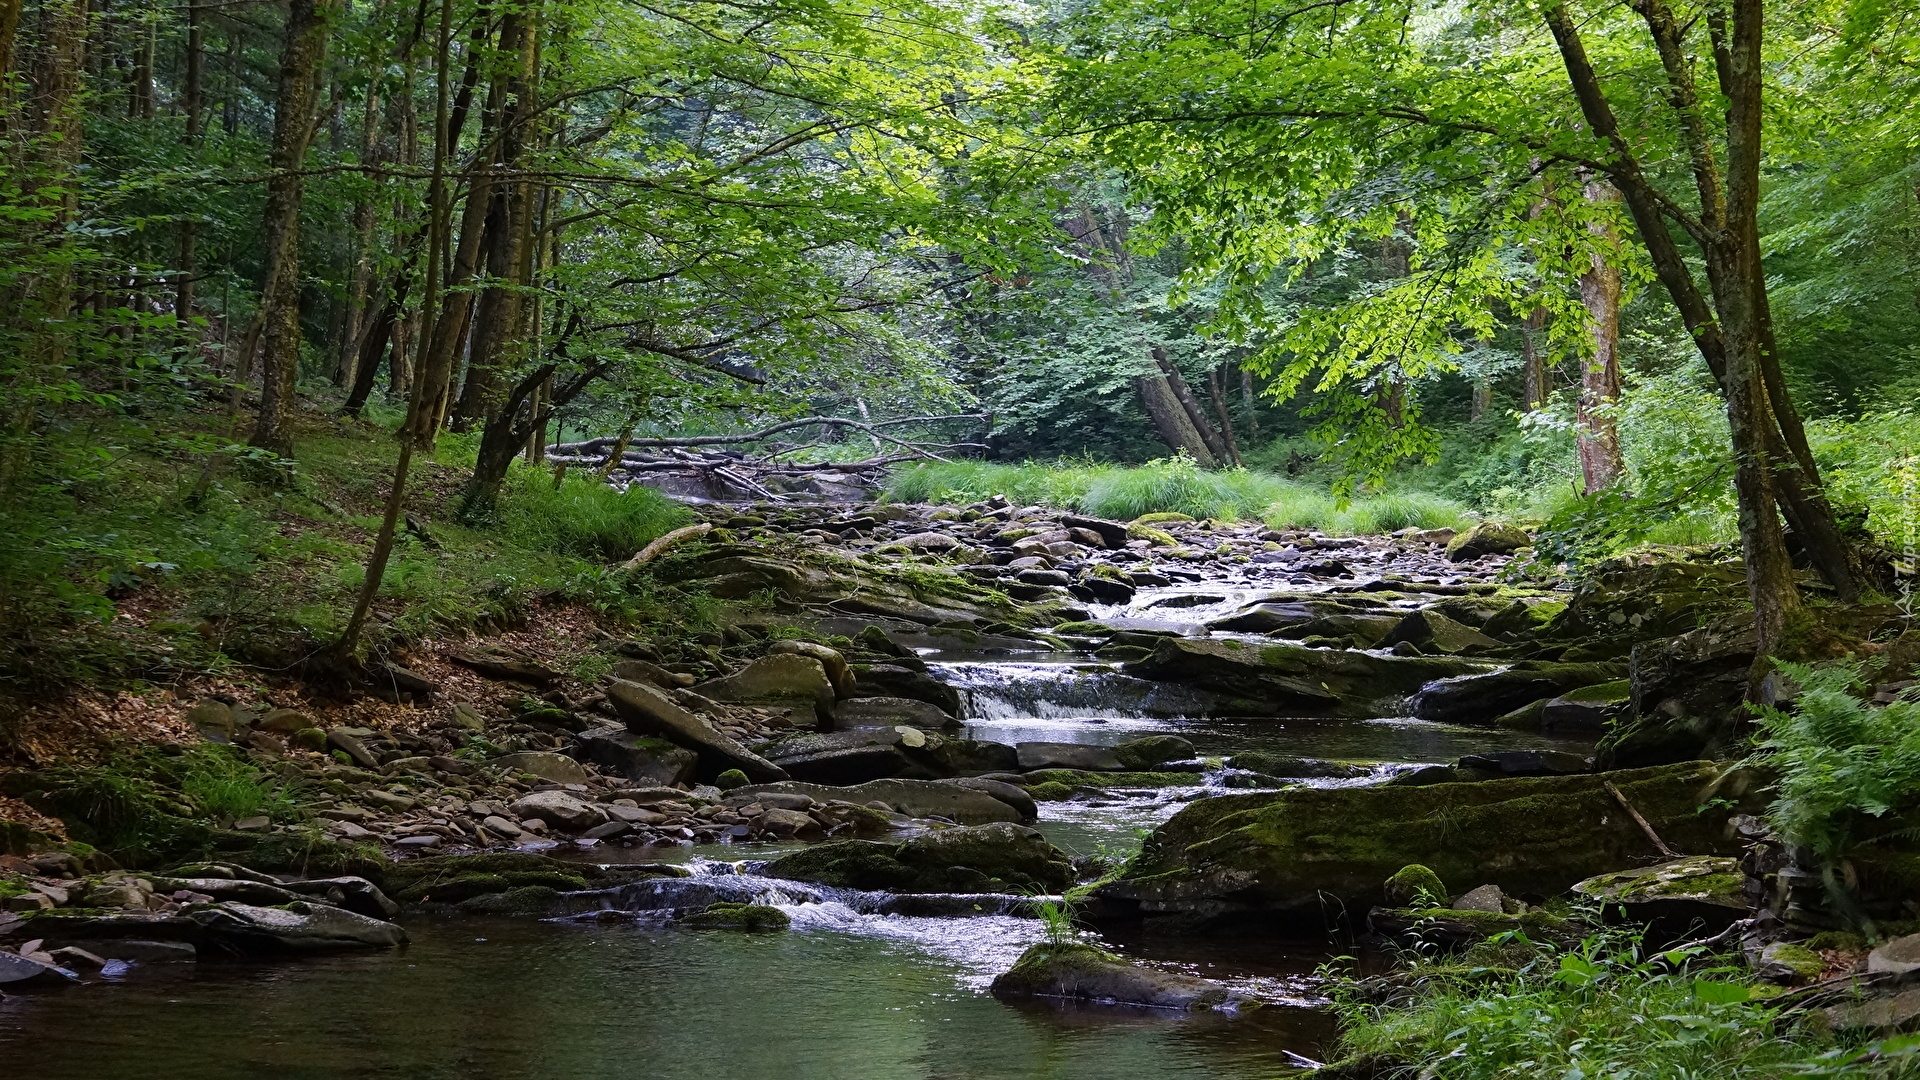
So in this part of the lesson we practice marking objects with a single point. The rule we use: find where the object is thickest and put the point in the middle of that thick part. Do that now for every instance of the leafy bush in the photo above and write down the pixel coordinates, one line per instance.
(1841, 761)
(584, 517)
(1602, 1010)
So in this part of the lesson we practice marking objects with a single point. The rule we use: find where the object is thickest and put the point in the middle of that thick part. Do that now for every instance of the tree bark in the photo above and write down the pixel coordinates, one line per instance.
(191, 93)
(1596, 432)
(1533, 363)
(306, 41)
(1219, 398)
(360, 281)
(1171, 419)
(1196, 416)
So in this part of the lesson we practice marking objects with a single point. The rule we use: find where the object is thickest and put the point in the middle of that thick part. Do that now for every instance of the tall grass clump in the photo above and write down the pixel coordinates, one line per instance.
(1179, 486)
(1062, 484)
(1303, 507)
(1602, 1010)
(583, 517)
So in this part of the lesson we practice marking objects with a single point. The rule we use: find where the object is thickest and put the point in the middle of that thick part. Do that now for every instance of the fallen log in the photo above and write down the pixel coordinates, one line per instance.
(660, 547)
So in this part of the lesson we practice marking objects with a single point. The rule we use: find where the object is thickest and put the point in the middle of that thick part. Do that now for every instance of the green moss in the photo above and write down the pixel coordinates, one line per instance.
(1161, 518)
(1415, 884)
(730, 779)
(1802, 961)
(1836, 941)
(1088, 629)
(753, 918)
(1156, 537)
(1051, 791)
(537, 900)
(1607, 692)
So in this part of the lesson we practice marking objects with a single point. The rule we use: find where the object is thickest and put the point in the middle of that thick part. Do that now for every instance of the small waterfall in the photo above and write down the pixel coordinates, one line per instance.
(715, 882)
(1028, 691)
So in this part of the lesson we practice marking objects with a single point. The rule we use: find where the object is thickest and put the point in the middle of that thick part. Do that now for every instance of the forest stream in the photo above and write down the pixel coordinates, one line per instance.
(866, 986)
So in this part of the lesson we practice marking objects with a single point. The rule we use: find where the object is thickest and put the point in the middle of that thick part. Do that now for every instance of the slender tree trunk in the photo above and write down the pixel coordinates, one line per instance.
(360, 282)
(1219, 399)
(1533, 363)
(1250, 401)
(10, 11)
(191, 93)
(293, 114)
(45, 310)
(1196, 416)
(1482, 400)
(1596, 431)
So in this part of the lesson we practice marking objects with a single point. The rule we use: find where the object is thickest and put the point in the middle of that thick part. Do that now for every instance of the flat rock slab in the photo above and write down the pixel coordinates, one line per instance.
(955, 800)
(1053, 755)
(648, 711)
(558, 768)
(299, 927)
(1085, 973)
(1294, 680)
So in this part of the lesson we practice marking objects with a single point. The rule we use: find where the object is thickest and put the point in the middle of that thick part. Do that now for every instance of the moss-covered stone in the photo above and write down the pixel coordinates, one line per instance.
(1286, 854)
(730, 779)
(538, 901)
(1051, 791)
(1299, 681)
(1786, 962)
(1001, 857)
(1414, 885)
(1156, 537)
(455, 878)
(1079, 970)
(1162, 517)
(752, 918)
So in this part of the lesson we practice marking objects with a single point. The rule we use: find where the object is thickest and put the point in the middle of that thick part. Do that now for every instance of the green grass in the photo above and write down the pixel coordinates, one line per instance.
(583, 517)
(1599, 1011)
(1127, 492)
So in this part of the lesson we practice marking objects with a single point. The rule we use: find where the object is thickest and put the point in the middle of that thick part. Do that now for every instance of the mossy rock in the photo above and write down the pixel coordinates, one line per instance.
(1083, 629)
(752, 918)
(1162, 517)
(284, 853)
(538, 901)
(730, 779)
(1001, 857)
(1414, 885)
(454, 878)
(1156, 537)
(1786, 962)
(1078, 970)
(1051, 791)
(1284, 855)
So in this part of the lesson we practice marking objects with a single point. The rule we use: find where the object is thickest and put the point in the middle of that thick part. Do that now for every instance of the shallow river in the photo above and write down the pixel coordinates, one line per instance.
(844, 996)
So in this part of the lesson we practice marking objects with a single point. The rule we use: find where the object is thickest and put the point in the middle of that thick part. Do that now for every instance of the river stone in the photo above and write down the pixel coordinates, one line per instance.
(1287, 767)
(1486, 898)
(647, 711)
(558, 768)
(953, 800)
(638, 758)
(283, 721)
(1504, 763)
(783, 678)
(558, 809)
(1697, 892)
(1433, 631)
(893, 680)
(752, 918)
(1055, 755)
(213, 719)
(347, 741)
(1081, 971)
(831, 661)
(1294, 680)
(1885, 1015)
(1151, 751)
(1896, 957)
(302, 926)
(1112, 533)
(1481, 698)
(875, 712)
(1001, 857)
(1589, 709)
(1487, 538)
(647, 671)
(1286, 855)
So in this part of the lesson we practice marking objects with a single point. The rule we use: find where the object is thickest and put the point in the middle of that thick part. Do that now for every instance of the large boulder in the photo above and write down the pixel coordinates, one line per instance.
(850, 757)
(640, 758)
(899, 681)
(1001, 857)
(1293, 680)
(1149, 752)
(1686, 695)
(782, 678)
(1484, 697)
(1081, 971)
(1288, 855)
(546, 765)
(647, 711)
(558, 809)
(1432, 631)
(1487, 538)
(960, 801)
(301, 926)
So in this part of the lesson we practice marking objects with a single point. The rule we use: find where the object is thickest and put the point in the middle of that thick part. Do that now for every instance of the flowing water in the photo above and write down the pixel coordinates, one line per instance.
(865, 986)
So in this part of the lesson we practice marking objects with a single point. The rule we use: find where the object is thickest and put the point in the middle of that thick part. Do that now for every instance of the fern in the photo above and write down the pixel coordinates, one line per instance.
(1842, 761)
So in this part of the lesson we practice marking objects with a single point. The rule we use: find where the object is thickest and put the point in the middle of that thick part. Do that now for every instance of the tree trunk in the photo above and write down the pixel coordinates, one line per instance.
(1171, 419)
(1196, 416)
(360, 281)
(1219, 398)
(191, 105)
(45, 308)
(1482, 400)
(293, 113)
(1533, 363)
(1596, 431)
(1252, 406)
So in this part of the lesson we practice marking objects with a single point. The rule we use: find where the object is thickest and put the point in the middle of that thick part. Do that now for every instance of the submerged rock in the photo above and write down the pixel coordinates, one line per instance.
(988, 858)
(1081, 971)
(1287, 855)
(298, 927)
(1286, 767)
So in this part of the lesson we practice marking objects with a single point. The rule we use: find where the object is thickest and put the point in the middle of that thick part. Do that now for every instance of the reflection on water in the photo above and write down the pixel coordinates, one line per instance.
(496, 999)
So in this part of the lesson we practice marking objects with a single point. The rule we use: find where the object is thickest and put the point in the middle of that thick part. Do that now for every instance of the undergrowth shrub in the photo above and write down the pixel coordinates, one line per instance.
(1842, 762)
(1603, 1009)
(583, 516)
